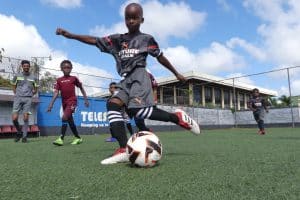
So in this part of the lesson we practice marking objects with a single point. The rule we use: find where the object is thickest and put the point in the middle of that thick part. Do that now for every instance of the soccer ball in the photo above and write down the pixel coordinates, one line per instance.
(144, 149)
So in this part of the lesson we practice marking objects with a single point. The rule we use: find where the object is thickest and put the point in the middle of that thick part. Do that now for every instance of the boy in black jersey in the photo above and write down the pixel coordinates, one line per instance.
(259, 106)
(130, 51)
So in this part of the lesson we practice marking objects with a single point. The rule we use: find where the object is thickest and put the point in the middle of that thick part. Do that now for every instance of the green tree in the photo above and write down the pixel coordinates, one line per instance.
(286, 101)
(5, 83)
(46, 82)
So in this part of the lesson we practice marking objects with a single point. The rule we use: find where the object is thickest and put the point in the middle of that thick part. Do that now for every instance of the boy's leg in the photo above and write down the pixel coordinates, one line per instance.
(129, 127)
(117, 125)
(73, 127)
(127, 121)
(141, 103)
(15, 117)
(179, 117)
(25, 127)
(64, 125)
(116, 122)
(27, 111)
(140, 123)
(63, 130)
(261, 121)
(68, 114)
(112, 138)
(78, 139)
(258, 116)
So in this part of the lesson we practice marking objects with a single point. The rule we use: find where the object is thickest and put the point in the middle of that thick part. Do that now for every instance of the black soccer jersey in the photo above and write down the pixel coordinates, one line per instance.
(129, 51)
(257, 103)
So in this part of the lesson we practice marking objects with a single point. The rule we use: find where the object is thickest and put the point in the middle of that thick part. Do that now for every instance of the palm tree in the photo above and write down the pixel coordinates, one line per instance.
(286, 101)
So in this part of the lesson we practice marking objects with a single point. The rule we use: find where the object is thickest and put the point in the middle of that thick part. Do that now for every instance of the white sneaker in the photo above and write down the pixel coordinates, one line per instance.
(187, 122)
(119, 156)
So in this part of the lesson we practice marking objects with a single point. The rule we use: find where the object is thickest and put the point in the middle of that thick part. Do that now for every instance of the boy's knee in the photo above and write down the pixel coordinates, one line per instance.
(117, 101)
(113, 106)
(15, 117)
(132, 112)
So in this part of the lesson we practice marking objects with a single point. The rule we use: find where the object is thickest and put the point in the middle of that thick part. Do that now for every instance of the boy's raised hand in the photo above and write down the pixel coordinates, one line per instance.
(60, 31)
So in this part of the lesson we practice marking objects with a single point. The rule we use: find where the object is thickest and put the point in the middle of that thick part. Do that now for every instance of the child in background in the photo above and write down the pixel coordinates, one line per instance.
(66, 86)
(259, 106)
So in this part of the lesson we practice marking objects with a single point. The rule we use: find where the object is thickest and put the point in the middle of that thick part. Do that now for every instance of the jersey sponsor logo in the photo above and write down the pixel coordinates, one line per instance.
(128, 53)
(65, 81)
(258, 104)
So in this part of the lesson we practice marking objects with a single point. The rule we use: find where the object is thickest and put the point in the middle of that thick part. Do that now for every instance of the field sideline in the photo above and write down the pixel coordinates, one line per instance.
(220, 164)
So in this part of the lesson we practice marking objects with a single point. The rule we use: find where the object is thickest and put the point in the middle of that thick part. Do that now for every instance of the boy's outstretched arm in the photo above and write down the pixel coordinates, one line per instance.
(55, 94)
(166, 63)
(82, 38)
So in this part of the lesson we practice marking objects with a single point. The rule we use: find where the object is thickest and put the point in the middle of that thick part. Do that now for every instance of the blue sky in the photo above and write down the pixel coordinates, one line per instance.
(217, 37)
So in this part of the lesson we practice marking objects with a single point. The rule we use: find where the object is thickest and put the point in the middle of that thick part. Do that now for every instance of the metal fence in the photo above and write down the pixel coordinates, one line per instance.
(284, 81)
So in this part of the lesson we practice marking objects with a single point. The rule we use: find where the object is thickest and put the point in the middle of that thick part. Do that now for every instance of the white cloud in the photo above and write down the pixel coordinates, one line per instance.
(63, 3)
(26, 43)
(224, 4)
(248, 47)
(280, 29)
(101, 30)
(295, 89)
(211, 60)
(29, 43)
(246, 80)
(159, 20)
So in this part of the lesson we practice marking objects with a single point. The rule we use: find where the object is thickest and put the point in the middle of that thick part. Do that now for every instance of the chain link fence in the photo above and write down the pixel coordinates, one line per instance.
(209, 99)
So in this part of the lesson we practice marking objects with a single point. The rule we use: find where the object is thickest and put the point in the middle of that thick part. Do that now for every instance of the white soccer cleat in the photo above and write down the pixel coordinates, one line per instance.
(187, 122)
(119, 156)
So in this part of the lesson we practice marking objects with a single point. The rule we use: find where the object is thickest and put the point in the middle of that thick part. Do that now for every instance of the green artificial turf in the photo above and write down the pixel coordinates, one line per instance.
(219, 164)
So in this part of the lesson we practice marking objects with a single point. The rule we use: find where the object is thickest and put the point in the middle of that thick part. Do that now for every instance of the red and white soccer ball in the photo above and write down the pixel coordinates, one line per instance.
(144, 149)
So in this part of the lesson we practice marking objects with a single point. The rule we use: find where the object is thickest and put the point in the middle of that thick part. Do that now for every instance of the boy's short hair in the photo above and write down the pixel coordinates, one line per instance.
(25, 62)
(138, 6)
(255, 90)
(112, 83)
(64, 62)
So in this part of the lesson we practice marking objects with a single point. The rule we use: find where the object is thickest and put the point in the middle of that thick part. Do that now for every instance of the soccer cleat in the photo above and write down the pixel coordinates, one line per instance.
(261, 132)
(111, 139)
(77, 141)
(24, 140)
(119, 156)
(58, 142)
(18, 137)
(187, 122)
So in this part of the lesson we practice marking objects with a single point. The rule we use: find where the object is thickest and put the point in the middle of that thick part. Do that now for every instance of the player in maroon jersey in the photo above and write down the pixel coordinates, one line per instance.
(66, 86)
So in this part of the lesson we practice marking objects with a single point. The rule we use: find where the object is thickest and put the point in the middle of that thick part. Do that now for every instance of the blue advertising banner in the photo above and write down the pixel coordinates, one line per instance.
(93, 116)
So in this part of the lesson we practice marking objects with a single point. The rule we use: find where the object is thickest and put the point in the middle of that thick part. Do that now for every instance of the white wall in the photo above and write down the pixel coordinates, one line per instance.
(219, 117)
(6, 111)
